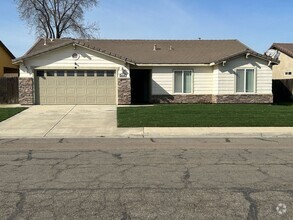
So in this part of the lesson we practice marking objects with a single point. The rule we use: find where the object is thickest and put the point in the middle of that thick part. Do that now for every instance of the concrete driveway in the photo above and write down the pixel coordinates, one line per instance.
(65, 121)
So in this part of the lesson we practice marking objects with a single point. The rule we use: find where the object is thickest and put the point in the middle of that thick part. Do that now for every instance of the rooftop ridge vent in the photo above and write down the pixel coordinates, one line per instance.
(155, 47)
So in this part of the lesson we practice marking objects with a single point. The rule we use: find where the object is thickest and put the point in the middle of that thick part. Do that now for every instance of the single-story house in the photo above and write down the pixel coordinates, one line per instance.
(7, 69)
(283, 73)
(80, 71)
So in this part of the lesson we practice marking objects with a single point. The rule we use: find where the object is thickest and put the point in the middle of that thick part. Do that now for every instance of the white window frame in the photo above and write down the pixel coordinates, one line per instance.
(182, 72)
(254, 82)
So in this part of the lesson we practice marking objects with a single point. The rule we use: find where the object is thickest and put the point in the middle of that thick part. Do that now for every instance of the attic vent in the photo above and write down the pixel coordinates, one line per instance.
(171, 48)
(155, 47)
(75, 56)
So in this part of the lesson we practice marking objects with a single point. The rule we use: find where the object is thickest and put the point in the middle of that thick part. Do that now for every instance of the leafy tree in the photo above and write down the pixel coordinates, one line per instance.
(56, 18)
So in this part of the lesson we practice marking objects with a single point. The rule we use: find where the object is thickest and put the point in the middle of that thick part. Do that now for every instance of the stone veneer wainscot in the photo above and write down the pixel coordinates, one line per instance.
(243, 98)
(26, 91)
(124, 91)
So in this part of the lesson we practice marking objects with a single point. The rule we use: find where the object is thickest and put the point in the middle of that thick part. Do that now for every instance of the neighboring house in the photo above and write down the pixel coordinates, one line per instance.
(69, 71)
(283, 73)
(6, 67)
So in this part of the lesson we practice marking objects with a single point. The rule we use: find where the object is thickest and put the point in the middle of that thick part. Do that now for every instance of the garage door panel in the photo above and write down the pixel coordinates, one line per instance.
(91, 91)
(80, 82)
(61, 82)
(51, 92)
(101, 100)
(61, 91)
(60, 99)
(51, 100)
(91, 82)
(110, 91)
(110, 100)
(72, 89)
(70, 100)
(51, 82)
(71, 82)
(101, 91)
(91, 100)
(80, 91)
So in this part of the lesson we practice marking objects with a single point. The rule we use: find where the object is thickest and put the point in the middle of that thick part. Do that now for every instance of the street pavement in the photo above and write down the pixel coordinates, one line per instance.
(127, 179)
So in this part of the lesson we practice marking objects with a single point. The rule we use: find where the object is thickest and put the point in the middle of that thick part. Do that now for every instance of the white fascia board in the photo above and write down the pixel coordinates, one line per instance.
(192, 64)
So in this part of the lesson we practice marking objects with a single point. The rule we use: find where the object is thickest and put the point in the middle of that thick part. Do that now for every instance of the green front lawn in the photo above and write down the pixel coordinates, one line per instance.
(206, 115)
(9, 112)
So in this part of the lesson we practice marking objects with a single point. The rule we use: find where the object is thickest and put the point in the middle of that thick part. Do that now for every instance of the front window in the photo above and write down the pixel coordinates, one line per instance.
(245, 80)
(182, 81)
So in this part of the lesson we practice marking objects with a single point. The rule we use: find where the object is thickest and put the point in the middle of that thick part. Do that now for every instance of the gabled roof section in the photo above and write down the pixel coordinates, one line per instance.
(248, 53)
(286, 48)
(7, 50)
(141, 52)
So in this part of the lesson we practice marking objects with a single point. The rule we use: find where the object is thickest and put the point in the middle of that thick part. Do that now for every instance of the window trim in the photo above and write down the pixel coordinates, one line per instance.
(254, 82)
(192, 79)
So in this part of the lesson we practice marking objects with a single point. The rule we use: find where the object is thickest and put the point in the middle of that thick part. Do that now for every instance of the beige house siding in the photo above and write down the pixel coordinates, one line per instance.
(203, 80)
(62, 59)
(163, 80)
(286, 65)
(227, 79)
(216, 80)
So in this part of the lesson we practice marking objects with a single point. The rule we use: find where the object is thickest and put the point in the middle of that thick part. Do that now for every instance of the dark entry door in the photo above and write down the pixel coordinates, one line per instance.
(140, 86)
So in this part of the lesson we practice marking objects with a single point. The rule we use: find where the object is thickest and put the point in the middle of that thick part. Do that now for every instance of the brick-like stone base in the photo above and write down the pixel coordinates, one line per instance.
(212, 98)
(243, 98)
(26, 93)
(124, 91)
(181, 98)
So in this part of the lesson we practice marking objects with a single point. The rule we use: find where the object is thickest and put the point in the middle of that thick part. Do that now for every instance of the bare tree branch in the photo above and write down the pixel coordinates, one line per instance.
(56, 18)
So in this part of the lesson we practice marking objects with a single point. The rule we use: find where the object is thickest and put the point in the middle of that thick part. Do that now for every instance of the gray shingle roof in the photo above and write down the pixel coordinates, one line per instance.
(142, 51)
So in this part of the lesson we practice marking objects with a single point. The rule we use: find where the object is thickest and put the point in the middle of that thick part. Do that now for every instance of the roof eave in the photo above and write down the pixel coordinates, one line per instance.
(172, 64)
(247, 53)
(281, 49)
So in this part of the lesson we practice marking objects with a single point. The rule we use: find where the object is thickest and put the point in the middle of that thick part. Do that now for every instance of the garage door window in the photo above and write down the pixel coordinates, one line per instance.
(70, 73)
(50, 73)
(90, 73)
(80, 73)
(60, 73)
(110, 73)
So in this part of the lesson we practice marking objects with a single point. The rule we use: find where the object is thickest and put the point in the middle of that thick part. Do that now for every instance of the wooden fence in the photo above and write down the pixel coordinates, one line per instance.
(8, 90)
(282, 90)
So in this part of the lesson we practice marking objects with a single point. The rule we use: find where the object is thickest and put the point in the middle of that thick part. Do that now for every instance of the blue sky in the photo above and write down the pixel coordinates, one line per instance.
(257, 23)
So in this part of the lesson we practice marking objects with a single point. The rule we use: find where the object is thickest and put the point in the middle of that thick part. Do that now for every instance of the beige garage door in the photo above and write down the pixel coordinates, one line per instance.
(76, 87)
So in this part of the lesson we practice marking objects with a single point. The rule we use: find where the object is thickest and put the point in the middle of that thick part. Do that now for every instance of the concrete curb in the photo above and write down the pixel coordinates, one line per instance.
(218, 132)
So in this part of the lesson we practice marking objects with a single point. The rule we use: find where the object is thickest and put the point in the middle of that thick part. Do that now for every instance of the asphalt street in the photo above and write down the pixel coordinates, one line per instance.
(127, 179)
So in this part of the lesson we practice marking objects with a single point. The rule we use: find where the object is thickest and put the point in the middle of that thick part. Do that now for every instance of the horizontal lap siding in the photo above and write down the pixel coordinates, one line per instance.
(162, 80)
(226, 76)
(264, 80)
(203, 80)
